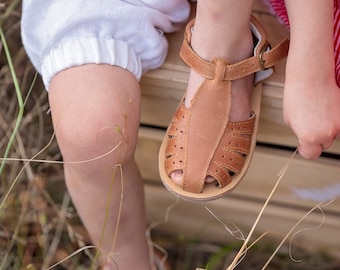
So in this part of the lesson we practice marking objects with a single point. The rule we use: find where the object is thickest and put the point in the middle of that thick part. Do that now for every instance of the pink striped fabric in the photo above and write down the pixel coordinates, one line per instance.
(279, 8)
(337, 39)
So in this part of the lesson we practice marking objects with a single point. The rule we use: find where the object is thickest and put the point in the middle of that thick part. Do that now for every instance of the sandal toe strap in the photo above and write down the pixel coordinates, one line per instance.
(175, 152)
(232, 151)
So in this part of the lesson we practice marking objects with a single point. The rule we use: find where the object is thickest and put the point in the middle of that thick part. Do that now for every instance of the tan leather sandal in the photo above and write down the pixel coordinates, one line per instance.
(203, 142)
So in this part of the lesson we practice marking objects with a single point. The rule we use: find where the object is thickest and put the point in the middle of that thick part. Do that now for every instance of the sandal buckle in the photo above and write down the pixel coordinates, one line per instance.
(262, 62)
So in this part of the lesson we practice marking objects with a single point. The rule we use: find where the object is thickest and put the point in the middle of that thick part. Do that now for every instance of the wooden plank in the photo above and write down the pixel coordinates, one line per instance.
(192, 220)
(261, 7)
(303, 180)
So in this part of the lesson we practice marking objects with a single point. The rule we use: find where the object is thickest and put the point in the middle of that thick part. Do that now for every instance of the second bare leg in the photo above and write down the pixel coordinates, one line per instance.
(222, 29)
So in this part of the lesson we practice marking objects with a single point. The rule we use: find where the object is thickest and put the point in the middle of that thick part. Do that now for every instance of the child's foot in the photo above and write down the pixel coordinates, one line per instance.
(241, 92)
(210, 136)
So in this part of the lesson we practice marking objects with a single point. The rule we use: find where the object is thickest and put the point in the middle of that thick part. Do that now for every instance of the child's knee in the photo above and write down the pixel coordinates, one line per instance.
(92, 143)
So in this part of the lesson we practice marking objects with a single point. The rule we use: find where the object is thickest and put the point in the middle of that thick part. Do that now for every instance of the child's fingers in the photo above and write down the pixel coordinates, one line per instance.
(310, 151)
(314, 150)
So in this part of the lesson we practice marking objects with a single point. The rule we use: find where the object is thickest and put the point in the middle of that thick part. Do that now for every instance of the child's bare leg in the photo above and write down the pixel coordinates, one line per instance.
(96, 108)
(311, 96)
(222, 29)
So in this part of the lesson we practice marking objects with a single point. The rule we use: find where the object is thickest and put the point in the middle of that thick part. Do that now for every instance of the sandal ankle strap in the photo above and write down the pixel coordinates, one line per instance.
(264, 57)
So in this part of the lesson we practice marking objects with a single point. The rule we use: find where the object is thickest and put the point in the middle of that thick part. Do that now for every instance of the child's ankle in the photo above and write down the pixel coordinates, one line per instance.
(233, 50)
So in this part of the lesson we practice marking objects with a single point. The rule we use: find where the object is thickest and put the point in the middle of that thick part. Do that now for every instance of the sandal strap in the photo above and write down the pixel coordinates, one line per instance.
(264, 57)
(231, 153)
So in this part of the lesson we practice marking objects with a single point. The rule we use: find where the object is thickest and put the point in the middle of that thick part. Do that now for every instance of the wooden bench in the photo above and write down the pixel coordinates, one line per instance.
(304, 185)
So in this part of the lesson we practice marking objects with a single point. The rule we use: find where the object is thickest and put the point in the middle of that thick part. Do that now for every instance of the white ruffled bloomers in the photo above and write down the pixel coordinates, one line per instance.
(59, 34)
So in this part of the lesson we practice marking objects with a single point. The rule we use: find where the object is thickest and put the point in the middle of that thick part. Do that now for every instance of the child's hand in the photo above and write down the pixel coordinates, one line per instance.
(313, 113)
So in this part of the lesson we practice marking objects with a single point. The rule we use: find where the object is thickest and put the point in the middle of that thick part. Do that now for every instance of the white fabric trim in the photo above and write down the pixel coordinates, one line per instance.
(90, 50)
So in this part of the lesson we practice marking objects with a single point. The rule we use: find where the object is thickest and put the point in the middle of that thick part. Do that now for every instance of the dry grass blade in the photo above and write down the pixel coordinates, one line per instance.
(59, 230)
(318, 206)
(151, 227)
(71, 255)
(243, 249)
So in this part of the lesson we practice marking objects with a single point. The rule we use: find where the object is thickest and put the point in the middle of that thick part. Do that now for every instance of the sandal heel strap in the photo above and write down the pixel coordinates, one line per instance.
(264, 57)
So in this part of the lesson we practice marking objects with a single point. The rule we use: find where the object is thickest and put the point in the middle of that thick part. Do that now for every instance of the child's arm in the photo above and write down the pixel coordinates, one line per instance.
(311, 96)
